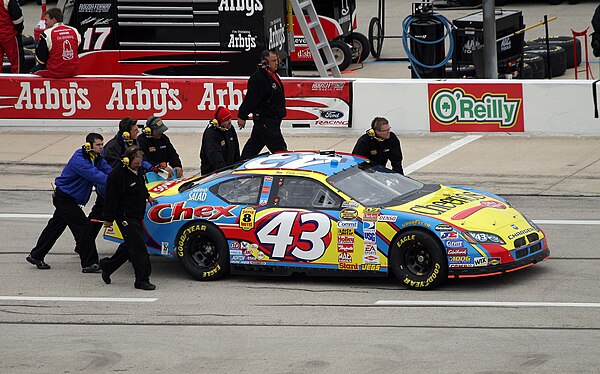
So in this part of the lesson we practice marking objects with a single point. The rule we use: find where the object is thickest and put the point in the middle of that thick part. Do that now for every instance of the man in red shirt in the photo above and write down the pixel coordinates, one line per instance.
(11, 27)
(56, 52)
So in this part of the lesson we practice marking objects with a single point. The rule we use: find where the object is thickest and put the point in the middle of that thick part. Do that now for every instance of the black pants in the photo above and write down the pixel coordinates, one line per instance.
(133, 248)
(67, 213)
(264, 133)
(86, 248)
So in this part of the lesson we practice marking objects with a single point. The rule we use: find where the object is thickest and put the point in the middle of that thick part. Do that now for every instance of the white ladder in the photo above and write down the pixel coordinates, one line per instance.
(315, 46)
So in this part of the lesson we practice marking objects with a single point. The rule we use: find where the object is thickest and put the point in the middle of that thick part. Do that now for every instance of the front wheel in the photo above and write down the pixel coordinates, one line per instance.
(375, 37)
(418, 260)
(202, 251)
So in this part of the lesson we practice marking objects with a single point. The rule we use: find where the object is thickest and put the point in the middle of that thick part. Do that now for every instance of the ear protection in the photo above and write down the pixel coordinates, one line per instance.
(87, 147)
(125, 161)
(126, 135)
(147, 131)
(371, 133)
(215, 122)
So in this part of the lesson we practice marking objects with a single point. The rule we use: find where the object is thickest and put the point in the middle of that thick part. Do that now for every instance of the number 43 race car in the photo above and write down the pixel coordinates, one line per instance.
(330, 213)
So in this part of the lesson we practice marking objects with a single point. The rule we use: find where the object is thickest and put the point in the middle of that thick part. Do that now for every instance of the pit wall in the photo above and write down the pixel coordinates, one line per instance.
(552, 107)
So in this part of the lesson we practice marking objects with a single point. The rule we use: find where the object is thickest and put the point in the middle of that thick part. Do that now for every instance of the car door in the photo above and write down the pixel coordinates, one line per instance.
(299, 225)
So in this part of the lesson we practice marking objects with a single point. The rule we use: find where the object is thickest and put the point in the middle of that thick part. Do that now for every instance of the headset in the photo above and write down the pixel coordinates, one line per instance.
(87, 147)
(264, 62)
(371, 131)
(90, 139)
(215, 122)
(147, 131)
(130, 154)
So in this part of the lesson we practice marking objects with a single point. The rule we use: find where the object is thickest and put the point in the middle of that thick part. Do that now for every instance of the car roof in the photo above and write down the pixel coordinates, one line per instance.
(324, 162)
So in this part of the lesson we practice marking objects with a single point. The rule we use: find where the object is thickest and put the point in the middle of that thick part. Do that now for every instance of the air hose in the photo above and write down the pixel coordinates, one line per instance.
(406, 35)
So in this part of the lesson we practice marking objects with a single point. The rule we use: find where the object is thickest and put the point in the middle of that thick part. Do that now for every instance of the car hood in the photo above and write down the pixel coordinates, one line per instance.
(467, 209)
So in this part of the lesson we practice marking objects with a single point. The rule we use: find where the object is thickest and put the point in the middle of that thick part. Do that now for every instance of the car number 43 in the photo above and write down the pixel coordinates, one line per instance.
(307, 234)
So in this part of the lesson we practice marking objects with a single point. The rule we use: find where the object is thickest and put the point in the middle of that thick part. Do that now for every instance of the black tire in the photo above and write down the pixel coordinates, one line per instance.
(538, 68)
(342, 53)
(375, 37)
(526, 72)
(418, 260)
(360, 43)
(558, 58)
(202, 251)
(562, 41)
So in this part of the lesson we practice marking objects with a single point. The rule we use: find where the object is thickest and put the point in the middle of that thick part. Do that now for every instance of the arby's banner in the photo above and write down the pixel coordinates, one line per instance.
(310, 103)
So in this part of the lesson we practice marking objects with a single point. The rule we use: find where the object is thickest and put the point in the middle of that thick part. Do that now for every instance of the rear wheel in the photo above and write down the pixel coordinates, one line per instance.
(202, 251)
(360, 43)
(342, 53)
(418, 260)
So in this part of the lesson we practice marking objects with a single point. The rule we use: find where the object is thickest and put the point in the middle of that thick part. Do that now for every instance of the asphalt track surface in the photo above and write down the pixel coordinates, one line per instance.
(543, 319)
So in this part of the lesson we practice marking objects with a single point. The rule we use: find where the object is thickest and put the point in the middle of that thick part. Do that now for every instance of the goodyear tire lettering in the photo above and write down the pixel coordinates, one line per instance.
(202, 251)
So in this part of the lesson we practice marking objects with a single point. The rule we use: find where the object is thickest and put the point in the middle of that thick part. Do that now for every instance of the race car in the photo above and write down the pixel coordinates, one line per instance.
(329, 213)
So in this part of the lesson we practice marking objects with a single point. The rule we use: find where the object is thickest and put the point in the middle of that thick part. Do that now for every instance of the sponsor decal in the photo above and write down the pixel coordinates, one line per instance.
(349, 204)
(449, 235)
(454, 243)
(161, 100)
(345, 239)
(476, 107)
(344, 257)
(347, 225)
(494, 260)
(348, 214)
(371, 259)
(416, 222)
(370, 236)
(345, 248)
(520, 233)
(457, 251)
(371, 214)
(247, 216)
(482, 204)
(347, 266)
(236, 252)
(268, 178)
(166, 213)
(387, 218)
(248, 6)
(94, 8)
(164, 248)
(260, 255)
(237, 258)
(459, 259)
(241, 39)
(480, 261)
(460, 265)
(331, 114)
(506, 44)
(276, 34)
(199, 194)
(443, 227)
(451, 201)
(371, 267)
(345, 231)
(515, 227)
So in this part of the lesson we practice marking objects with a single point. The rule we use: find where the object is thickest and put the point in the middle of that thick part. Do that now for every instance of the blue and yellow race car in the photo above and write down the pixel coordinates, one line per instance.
(332, 213)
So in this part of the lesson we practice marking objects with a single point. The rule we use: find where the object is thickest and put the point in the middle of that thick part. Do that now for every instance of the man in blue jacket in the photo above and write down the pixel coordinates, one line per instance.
(85, 169)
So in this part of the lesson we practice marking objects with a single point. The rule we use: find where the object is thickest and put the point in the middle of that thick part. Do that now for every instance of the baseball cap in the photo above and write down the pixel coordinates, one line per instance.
(222, 114)
(156, 123)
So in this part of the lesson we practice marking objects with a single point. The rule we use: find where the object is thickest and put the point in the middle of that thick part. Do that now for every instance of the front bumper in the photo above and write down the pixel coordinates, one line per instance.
(480, 271)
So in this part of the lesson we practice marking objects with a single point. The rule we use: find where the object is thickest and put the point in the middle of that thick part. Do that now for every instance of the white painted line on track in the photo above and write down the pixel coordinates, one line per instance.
(566, 222)
(486, 304)
(440, 153)
(83, 299)
(25, 215)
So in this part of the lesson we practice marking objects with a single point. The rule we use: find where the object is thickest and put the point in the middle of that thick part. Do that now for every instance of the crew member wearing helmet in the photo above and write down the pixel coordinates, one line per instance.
(158, 149)
(220, 146)
(380, 144)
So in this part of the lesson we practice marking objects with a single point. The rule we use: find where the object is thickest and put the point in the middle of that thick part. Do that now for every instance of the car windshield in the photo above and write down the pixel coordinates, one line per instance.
(374, 185)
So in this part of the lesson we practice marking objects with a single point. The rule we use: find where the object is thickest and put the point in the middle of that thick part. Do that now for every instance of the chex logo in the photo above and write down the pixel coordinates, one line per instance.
(449, 106)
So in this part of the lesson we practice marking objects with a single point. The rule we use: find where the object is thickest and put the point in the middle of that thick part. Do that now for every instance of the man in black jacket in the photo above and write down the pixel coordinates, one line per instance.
(220, 146)
(126, 196)
(380, 144)
(596, 33)
(158, 149)
(265, 99)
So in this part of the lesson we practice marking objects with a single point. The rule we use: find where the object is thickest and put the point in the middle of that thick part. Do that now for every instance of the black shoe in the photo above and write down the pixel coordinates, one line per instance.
(144, 285)
(106, 276)
(94, 268)
(39, 263)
